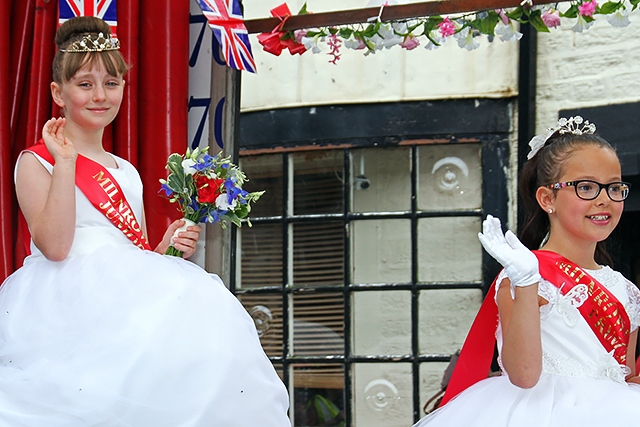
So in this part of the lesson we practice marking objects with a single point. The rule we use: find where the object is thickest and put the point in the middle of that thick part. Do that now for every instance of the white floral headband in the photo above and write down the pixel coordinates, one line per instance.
(575, 125)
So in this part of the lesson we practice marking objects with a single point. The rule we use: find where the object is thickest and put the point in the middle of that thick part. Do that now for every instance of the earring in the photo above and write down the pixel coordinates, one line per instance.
(550, 211)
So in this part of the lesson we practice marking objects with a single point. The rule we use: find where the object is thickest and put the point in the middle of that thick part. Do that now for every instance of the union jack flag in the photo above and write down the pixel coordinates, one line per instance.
(105, 9)
(226, 20)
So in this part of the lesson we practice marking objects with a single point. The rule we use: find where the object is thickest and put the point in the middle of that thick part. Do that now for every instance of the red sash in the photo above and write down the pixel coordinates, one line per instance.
(104, 193)
(601, 310)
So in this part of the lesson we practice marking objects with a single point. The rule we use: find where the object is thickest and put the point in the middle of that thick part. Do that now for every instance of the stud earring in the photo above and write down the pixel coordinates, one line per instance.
(550, 211)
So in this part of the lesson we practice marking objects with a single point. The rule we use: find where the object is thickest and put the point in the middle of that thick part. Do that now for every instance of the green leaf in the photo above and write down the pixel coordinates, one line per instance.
(486, 25)
(303, 9)
(536, 21)
(175, 183)
(234, 219)
(572, 12)
(609, 7)
(371, 30)
(345, 33)
(516, 14)
(634, 3)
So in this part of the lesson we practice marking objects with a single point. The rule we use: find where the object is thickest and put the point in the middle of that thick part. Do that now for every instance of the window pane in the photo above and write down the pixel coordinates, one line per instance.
(381, 251)
(444, 318)
(264, 173)
(449, 249)
(318, 182)
(381, 323)
(382, 395)
(318, 324)
(431, 374)
(318, 254)
(266, 311)
(381, 179)
(260, 256)
(450, 177)
(318, 395)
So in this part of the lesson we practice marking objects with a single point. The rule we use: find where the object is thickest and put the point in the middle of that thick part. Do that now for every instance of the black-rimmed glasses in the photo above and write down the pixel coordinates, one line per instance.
(587, 189)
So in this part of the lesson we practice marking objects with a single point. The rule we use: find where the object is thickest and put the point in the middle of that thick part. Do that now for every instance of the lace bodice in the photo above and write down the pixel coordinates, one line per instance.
(92, 227)
(569, 345)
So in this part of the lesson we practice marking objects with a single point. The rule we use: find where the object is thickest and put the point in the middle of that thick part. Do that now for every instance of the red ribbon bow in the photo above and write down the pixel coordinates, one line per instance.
(277, 40)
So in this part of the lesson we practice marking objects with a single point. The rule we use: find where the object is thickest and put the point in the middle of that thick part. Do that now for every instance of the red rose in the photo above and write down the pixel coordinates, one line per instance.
(208, 189)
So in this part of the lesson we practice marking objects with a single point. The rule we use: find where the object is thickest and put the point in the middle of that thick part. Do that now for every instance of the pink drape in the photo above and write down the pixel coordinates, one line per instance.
(152, 122)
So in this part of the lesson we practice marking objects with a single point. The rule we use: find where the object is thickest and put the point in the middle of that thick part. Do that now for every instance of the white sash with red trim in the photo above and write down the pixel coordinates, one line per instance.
(104, 193)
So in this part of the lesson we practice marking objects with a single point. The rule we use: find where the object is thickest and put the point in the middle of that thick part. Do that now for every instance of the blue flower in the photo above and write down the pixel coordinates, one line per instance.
(168, 191)
(204, 163)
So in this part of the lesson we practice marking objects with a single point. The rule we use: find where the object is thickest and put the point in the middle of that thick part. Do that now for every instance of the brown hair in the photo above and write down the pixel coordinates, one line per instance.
(67, 64)
(545, 168)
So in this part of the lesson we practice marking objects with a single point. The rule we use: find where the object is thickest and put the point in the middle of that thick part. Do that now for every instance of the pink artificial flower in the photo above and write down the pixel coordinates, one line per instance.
(299, 34)
(503, 16)
(410, 42)
(588, 8)
(334, 44)
(447, 28)
(551, 19)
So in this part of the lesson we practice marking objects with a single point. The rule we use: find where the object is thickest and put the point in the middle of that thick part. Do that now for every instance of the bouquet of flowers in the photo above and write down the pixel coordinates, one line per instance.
(207, 189)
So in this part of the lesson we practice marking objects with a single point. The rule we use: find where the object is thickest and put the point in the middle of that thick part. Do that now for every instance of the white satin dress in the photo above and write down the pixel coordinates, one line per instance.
(117, 336)
(581, 384)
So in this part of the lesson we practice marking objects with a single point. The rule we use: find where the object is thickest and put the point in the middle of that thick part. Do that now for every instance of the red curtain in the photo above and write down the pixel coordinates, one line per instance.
(152, 122)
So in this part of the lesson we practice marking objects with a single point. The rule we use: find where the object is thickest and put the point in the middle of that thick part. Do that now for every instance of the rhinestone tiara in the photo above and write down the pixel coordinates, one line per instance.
(93, 43)
(575, 125)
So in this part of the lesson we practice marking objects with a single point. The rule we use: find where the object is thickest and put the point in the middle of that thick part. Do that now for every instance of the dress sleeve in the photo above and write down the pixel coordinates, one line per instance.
(633, 306)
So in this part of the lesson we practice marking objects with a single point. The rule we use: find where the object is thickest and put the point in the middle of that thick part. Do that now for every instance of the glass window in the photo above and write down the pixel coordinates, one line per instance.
(363, 273)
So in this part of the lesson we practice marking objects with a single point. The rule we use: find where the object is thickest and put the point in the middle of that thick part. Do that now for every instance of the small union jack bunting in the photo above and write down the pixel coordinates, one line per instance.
(226, 20)
(105, 9)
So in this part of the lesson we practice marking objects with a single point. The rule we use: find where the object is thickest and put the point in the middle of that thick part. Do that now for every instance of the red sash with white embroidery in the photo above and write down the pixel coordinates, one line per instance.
(104, 193)
(600, 308)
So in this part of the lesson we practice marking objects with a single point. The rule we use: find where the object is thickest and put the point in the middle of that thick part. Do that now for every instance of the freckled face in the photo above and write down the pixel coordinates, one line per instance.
(91, 99)
(587, 221)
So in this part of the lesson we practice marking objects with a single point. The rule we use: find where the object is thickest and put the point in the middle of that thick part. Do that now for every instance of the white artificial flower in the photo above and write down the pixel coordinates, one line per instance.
(619, 18)
(507, 32)
(222, 203)
(377, 42)
(581, 24)
(389, 37)
(435, 35)
(188, 166)
(466, 39)
(311, 43)
(354, 43)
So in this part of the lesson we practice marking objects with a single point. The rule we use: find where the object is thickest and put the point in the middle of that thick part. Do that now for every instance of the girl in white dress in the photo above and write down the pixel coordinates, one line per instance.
(566, 324)
(97, 329)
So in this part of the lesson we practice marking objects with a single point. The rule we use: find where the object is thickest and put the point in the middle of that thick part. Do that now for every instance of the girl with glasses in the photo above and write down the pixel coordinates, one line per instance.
(565, 322)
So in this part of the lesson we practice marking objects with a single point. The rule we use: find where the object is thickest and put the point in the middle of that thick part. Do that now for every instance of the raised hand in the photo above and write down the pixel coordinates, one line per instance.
(520, 264)
(60, 147)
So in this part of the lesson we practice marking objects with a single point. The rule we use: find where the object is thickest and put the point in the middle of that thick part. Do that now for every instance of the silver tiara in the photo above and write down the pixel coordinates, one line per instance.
(575, 125)
(93, 43)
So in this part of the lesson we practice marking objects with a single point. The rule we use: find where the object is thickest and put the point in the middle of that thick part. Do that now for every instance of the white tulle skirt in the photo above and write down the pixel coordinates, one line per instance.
(123, 337)
(556, 401)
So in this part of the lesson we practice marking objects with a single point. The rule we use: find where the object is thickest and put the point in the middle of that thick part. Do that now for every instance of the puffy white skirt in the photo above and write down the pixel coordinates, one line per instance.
(556, 401)
(123, 337)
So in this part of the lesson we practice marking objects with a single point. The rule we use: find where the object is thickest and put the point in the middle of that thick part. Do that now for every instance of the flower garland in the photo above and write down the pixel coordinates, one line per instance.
(433, 31)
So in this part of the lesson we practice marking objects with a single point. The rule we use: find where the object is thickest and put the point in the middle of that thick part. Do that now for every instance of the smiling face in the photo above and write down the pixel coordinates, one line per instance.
(91, 98)
(577, 221)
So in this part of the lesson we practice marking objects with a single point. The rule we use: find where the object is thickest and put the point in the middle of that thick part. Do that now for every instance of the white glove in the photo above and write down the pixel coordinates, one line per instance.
(520, 264)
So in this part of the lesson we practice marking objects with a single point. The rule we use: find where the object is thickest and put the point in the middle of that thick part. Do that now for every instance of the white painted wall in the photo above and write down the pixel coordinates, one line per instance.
(598, 67)
(389, 75)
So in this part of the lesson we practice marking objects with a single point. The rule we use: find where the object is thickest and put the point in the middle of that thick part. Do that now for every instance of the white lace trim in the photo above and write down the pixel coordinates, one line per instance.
(607, 369)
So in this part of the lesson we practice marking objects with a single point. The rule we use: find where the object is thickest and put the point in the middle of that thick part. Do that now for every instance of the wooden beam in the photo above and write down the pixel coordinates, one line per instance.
(389, 13)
